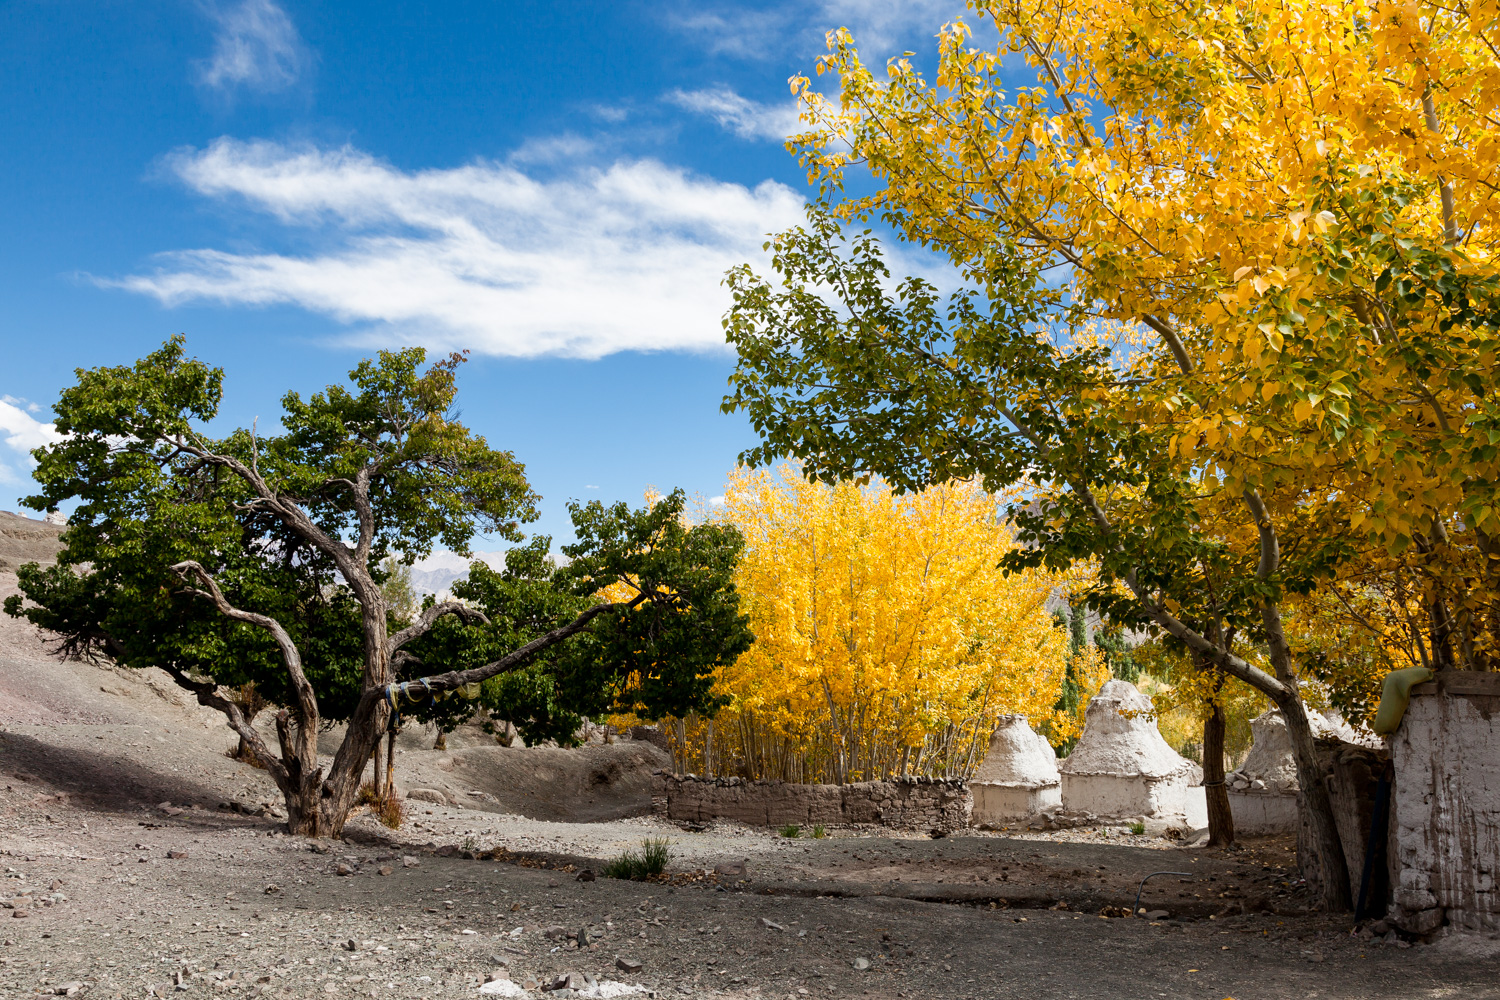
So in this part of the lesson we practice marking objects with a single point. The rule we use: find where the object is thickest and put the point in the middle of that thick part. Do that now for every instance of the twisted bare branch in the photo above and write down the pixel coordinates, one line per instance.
(429, 617)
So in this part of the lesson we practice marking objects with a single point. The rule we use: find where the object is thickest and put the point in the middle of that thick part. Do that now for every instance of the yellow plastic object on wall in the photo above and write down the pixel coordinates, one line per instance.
(1395, 695)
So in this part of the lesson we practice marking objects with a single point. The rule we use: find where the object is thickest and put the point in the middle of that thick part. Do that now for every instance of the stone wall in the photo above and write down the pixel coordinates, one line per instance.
(1446, 822)
(924, 804)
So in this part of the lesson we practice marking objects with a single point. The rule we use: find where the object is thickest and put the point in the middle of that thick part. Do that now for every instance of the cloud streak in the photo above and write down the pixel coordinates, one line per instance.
(578, 263)
(256, 46)
(740, 115)
(771, 32)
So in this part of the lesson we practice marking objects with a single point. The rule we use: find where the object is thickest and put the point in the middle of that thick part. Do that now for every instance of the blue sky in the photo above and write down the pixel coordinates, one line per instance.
(556, 188)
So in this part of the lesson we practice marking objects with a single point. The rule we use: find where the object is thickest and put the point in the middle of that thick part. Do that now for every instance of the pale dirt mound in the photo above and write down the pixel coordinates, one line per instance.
(23, 540)
(121, 736)
(586, 784)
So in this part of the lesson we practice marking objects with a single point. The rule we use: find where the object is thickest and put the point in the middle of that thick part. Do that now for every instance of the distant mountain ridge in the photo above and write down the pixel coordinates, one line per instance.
(437, 573)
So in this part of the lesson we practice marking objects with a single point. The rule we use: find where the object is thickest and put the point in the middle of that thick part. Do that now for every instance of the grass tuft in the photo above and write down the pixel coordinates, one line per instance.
(1138, 828)
(637, 866)
(819, 832)
(791, 831)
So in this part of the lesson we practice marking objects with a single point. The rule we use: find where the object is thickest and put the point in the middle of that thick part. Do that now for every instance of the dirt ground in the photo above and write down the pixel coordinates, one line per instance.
(130, 866)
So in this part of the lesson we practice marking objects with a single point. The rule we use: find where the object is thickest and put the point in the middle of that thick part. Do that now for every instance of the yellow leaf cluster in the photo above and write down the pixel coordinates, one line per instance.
(887, 637)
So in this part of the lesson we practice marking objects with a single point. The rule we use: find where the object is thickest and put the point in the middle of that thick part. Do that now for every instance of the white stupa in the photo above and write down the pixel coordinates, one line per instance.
(1263, 790)
(1123, 769)
(1018, 777)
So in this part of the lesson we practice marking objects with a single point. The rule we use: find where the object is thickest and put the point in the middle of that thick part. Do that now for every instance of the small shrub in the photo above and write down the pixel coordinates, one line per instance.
(819, 832)
(1138, 828)
(791, 831)
(637, 866)
(391, 811)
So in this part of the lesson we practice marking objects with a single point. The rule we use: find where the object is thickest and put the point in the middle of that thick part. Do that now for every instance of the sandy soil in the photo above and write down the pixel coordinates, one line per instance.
(135, 879)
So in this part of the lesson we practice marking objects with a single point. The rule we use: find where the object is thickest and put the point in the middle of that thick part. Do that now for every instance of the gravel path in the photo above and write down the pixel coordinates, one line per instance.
(122, 877)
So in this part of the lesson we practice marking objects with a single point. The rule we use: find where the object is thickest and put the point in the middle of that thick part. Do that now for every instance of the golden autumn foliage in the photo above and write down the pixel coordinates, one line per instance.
(1289, 205)
(887, 637)
(1296, 202)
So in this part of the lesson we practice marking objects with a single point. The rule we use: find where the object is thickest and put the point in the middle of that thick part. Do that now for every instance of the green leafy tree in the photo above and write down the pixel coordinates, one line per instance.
(256, 560)
(1113, 646)
(856, 378)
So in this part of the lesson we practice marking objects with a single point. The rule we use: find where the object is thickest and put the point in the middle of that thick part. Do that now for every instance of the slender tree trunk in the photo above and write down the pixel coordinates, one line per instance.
(377, 781)
(1220, 819)
(390, 764)
(1316, 805)
(1313, 800)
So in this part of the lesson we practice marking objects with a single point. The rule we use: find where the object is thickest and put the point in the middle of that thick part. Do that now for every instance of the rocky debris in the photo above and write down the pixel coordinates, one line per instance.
(628, 965)
(1155, 914)
(860, 964)
(733, 869)
(772, 925)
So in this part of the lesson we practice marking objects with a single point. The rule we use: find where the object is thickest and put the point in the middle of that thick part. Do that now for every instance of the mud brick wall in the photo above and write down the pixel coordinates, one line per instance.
(900, 803)
(1446, 828)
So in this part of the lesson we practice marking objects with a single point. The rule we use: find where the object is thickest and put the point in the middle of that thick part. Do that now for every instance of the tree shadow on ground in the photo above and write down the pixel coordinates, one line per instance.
(103, 779)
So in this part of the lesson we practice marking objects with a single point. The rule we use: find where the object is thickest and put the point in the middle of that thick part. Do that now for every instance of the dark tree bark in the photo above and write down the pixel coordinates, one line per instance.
(1220, 819)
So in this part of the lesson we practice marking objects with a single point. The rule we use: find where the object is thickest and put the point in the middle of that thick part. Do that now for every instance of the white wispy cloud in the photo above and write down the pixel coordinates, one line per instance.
(256, 45)
(20, 432)
(880, 27)
(577, 263)
(745, 118)
(886, 25)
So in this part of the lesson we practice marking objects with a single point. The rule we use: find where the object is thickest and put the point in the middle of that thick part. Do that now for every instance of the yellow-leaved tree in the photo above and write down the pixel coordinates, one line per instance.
(1290, 207)
(888, 639)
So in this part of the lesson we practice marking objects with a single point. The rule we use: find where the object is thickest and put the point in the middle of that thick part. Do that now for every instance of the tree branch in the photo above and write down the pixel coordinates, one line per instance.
(1174, 342)
(455, 679)
(307, 701)
(1445, 187)
(1270, 547)
(429, 618)
(207, 693)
